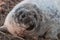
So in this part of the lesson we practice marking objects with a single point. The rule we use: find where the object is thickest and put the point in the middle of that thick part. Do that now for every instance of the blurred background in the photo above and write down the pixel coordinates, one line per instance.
(5, 7)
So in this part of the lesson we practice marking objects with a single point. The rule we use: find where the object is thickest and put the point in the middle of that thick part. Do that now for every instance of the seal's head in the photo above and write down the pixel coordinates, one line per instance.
(25, 17)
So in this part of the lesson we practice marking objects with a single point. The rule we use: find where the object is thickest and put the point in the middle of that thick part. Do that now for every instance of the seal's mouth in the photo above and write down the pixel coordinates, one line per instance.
(31, 27)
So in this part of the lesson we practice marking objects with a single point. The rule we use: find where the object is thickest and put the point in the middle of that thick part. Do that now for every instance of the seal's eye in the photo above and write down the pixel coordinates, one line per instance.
(23, 16)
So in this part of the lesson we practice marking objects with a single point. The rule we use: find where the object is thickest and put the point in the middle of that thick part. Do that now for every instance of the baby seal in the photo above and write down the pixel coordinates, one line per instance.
(41, 18)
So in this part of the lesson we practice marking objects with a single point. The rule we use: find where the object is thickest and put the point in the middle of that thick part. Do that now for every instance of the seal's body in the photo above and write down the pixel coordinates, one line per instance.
(37, 16)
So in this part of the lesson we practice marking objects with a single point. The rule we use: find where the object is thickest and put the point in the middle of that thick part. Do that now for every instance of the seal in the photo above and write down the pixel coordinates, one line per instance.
(39, 18)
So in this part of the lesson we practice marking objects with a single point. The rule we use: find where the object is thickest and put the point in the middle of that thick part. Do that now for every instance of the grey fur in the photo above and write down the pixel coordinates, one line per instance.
(46, 20)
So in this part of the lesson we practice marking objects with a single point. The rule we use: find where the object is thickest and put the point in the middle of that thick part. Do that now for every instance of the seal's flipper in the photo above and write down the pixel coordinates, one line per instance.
(4, 29)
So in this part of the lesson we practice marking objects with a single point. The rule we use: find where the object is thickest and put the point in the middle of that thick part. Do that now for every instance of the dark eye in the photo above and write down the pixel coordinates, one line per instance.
(20, 12)
(23, 16)
(35, 16)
